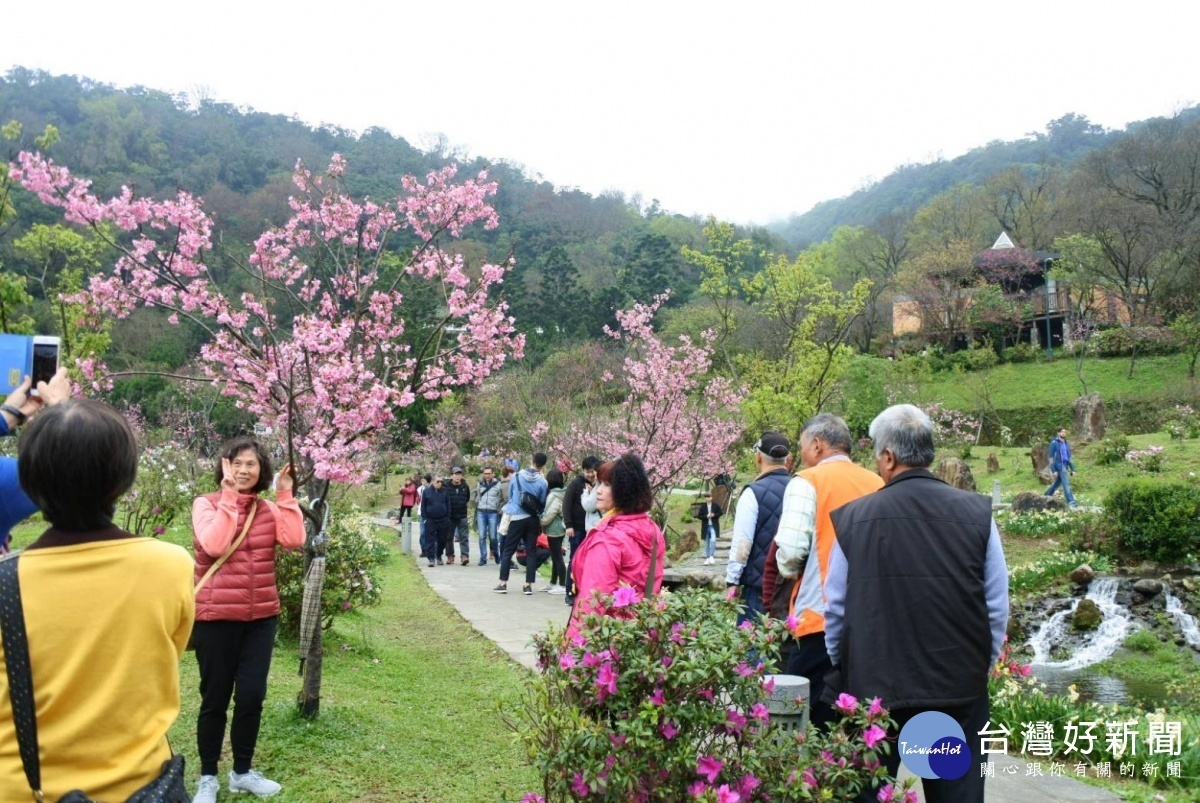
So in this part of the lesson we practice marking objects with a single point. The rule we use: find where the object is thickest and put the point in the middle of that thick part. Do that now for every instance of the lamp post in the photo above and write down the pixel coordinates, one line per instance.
(1049, 339)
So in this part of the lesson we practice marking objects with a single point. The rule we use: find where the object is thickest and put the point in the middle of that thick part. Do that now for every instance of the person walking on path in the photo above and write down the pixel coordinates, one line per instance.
(618, 551)
(487, 515)
(1061, 466)
(575, 513)
(805, 539)
(756, 520)
(710, 515)
(917, 597)
(460, 504)
(552, 527)
(526, 501)
(408, 499)
(237, 609)
(435, 514)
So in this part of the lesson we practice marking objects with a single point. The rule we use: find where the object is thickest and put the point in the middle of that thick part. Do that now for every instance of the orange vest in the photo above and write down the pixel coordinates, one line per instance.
(837, 482)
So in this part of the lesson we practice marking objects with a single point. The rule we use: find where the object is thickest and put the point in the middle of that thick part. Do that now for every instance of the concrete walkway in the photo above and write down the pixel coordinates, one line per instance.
(511, 619)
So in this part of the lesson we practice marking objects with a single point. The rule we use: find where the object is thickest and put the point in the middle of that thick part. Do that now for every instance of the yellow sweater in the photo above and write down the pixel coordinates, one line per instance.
(107, 623)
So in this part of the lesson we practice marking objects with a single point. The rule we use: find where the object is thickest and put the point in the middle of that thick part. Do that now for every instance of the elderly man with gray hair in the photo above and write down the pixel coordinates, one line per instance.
(917, 598)
(804, 541)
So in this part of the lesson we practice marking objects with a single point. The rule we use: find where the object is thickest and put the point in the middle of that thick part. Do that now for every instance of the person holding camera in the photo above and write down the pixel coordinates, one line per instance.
(106, 614)
(237, 607)
(20, 406)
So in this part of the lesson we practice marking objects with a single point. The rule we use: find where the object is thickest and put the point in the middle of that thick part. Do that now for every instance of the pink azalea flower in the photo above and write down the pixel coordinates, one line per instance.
(617, 740)
(792, 622)
(658, 698)
(579, 787)
(743, 669)
(727, 795)
(667, 661)
(532, 797)
(808, 778)
(709, 767)
(606, 679)
(911, 796)
(748, 784)
(567, 660)
(668, 730)
(591, 660)
(876, 709)
(731, 592)
(846, 703)
(769, 685)
(760, 712)
(734, 722)
(677, 632)
(624, 597)
(746, 625)
(707, 694)
(697, 789)
(874, 735)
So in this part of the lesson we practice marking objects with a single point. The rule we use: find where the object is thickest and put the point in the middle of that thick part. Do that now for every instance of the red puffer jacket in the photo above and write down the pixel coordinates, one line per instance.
(243, 589)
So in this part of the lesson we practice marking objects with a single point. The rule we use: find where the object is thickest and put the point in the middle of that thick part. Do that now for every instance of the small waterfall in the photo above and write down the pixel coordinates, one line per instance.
(1097, 645)
(1186, 622)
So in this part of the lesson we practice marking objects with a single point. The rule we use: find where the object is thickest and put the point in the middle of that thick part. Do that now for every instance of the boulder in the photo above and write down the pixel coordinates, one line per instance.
(1089, 418)
(955, 472)
(1148, 588)
(1040, 455)
(1032, 502)
(1082, 575)
(993, 466)
(1087, 615)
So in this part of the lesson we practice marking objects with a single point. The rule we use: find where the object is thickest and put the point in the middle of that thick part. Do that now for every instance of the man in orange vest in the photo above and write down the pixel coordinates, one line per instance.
(805, 539)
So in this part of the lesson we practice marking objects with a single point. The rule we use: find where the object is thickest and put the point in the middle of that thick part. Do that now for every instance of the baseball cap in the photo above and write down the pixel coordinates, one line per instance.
(456, 470)
(773, 444)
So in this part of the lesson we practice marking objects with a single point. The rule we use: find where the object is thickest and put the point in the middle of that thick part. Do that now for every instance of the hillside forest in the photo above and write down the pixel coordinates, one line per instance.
(752, 327)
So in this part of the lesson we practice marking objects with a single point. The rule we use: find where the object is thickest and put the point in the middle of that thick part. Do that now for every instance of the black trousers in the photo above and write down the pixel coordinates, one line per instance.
(969, 788)
(808, 658)
(234, 659)
(575, 541)
(520, 531)
(558, 568)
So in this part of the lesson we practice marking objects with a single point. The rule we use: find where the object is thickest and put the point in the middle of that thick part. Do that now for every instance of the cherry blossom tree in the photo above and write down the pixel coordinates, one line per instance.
(317, 335)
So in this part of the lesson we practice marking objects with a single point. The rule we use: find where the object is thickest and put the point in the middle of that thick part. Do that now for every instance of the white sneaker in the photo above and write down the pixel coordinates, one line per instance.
(206, 792)
(709, 561)
(547, 589)
(254, 783)
(557, 590)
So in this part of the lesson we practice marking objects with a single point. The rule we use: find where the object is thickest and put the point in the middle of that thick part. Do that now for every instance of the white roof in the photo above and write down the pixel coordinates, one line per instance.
(1002, 242)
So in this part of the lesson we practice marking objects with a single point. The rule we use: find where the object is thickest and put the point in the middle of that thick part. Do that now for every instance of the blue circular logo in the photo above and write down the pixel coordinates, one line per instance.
(932, 745)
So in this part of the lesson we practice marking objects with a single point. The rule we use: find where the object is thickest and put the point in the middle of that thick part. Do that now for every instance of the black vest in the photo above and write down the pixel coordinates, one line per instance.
(768, 491)
(916, 630)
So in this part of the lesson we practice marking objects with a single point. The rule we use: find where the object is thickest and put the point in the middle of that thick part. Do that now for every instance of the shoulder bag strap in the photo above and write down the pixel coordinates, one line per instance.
(237, 542)
(20, 676)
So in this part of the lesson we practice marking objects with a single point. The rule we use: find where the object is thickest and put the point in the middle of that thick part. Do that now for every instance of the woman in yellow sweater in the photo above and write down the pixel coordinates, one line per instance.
(107, 615)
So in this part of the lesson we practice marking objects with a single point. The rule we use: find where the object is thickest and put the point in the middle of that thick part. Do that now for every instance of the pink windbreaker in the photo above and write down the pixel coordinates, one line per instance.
(616, 553)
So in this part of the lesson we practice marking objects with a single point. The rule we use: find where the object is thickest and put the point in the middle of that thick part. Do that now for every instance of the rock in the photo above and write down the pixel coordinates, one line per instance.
(1089, 418)
(1148, 588)
(1188, 583)
(1087, 615)
(993, 463)
(1082, 574)
(955, 472)
(1040, 455)
(1031, 502)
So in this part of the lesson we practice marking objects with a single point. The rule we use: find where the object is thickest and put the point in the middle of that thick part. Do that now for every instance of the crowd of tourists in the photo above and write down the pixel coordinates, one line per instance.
(892, 584)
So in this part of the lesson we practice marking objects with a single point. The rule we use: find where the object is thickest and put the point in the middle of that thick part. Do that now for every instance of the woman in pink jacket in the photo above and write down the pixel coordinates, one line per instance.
(237, 610)
(617, 550)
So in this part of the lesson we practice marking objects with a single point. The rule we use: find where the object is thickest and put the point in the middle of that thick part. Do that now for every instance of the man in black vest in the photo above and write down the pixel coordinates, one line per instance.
(917, 597)
(756, 520)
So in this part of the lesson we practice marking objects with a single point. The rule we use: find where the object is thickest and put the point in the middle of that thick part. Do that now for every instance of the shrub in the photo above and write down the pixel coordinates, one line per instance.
(1182, 422)
(1141, 641)
(1148, 460)
(1149, 340)
(1156, 520)
(1036, 524)
(165, 487)
(1112, 450)
(352, 560)
(1052, 569)
(662, 703)
(1021, 352)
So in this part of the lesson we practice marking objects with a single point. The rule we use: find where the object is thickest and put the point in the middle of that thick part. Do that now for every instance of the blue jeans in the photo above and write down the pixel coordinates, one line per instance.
(486, 522)
(428, 543)
(1061, 477)
(710, 540)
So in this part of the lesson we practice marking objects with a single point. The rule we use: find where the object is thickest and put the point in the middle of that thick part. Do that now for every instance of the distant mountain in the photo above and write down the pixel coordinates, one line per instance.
(909, 186)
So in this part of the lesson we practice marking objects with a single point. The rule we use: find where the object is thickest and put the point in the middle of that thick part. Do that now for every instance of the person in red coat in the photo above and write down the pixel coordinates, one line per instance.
(237, 609)
(617, 551)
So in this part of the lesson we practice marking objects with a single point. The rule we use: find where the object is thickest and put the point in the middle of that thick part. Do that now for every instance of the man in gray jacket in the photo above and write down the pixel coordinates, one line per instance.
(487, 515)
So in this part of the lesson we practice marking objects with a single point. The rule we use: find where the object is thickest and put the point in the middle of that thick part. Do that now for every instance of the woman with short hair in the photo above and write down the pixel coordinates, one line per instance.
(617, 551)
(107, 615)
(237, 610)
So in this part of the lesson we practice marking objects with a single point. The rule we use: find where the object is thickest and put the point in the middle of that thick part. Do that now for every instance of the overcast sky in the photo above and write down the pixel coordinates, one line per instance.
(749, 111)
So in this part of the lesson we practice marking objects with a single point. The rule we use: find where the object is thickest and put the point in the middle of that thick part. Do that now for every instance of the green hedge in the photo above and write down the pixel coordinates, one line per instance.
(1029, 425)
(1156, 520)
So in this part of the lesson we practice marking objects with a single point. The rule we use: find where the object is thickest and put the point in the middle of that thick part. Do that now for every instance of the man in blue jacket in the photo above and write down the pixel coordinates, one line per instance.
(1061, 466)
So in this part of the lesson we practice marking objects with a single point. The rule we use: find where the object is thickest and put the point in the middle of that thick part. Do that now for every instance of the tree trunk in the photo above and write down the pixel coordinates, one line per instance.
(310, 693)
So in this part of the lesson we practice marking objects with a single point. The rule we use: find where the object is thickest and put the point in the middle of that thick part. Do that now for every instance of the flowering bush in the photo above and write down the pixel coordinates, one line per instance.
(165, 487)
(352, 560)
(662, 703)
(1148, 460)
(953, 428)
(1182, 422)
(1112, 450)
(1035, 524)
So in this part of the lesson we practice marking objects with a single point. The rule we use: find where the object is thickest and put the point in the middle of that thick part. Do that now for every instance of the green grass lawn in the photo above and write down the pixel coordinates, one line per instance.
(1034, 384)
(409, 706)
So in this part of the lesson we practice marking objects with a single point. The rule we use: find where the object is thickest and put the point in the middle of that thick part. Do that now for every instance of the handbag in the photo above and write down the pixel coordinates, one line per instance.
(530, 503)
(167, 787)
